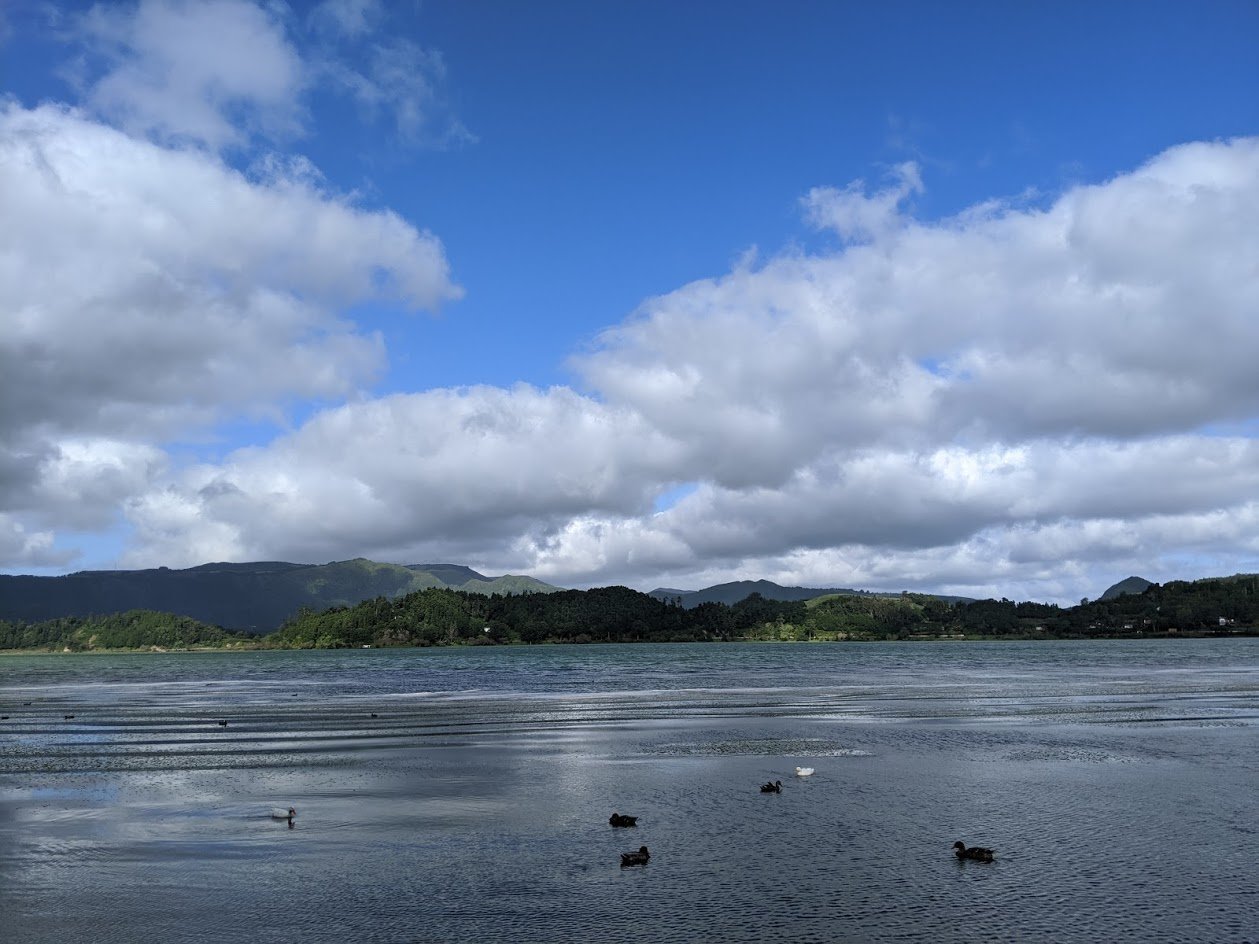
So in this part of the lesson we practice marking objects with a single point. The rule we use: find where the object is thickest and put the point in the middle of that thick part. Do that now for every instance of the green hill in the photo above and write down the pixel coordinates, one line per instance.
(135, 629)
(449, 575)
(1128, 585)
(256, 597)
(737, 590)
(730, 593)
(1226, 606)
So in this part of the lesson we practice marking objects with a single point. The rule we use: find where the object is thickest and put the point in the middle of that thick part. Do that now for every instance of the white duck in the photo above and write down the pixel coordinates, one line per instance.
(804, 771)
(284, 814)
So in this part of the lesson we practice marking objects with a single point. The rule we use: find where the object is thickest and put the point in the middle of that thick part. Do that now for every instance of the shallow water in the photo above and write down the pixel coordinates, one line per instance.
(1116, 780)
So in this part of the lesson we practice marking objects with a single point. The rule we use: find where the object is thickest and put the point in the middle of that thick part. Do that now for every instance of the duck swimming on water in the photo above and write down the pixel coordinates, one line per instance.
(616, 819)
(804, 771)
(635, 858)
(974, 853)
(284, 814)
(774, 787)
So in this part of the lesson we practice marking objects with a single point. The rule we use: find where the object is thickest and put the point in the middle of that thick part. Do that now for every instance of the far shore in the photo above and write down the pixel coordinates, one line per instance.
(1245, 633)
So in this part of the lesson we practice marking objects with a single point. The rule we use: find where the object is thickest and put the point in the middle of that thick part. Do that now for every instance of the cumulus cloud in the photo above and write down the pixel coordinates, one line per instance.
(1004, 401)
(857, 216)
(150, 293)
(1025, 518)
(209, 72)
(478, 465)
(1005, 398)
(228, 74)
(22, 548)
(1125, 309)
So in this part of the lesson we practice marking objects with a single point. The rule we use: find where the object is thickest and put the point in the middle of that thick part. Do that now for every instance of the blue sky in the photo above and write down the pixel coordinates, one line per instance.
(900, 296)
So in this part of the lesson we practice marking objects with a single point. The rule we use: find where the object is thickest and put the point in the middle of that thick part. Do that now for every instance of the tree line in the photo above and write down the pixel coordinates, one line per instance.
(442, 617)
(133, 629)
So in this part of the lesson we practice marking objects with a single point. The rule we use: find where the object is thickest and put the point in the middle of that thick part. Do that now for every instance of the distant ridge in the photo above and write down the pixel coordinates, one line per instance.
(669, 593)
(453, 575)
(1127, 585)
(731, 593)
(254, 596)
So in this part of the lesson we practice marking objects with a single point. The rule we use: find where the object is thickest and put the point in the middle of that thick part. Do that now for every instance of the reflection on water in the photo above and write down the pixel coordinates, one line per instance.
(448, 795)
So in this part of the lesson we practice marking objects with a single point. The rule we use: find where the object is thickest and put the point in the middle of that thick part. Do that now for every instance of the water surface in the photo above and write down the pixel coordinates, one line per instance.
(463, 794)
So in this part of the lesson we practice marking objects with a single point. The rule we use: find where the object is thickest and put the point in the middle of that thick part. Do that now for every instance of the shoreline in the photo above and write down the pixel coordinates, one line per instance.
(165, 650)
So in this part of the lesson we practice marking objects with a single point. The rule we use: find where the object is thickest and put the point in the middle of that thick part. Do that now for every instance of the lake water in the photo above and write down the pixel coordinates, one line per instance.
(463, 794)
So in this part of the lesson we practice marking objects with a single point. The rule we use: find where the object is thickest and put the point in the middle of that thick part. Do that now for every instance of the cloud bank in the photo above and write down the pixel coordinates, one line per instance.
(1009, 401)
(151, 294)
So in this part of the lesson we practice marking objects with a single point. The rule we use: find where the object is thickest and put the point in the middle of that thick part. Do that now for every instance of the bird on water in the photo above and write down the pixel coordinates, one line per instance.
(617, 819)
(635, 858)
(974, 853)
(774, 787)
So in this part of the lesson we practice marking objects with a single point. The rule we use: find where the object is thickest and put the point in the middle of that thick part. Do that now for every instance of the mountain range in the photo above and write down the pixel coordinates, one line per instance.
(256, 597)
(259, 596)
(731, 593)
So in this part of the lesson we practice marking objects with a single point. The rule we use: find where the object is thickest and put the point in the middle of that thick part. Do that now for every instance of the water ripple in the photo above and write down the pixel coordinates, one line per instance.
(465, 796)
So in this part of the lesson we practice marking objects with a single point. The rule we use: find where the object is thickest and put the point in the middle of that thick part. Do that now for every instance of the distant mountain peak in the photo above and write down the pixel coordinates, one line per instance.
(256, 596)
(1127, 585)
(453, 575)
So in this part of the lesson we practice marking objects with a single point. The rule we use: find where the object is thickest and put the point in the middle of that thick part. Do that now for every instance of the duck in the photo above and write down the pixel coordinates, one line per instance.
(67, 717)
(804, 771)
(284, 814)
(616, 819)
(775, 786)
(222, 724)
(635, 858)
(976, 853)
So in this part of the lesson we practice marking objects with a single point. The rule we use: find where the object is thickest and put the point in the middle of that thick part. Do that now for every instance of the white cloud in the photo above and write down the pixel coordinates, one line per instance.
(349, 18)
(405, 84)
(857, 217)
(1126, 309)
(205, 71)
(22, 548)
(83, 482)
(150, 293)
(1010, 401)
(482, 463)
(228, 74)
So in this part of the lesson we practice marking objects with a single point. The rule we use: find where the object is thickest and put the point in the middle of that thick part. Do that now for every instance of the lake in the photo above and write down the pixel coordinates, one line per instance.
(464, 794)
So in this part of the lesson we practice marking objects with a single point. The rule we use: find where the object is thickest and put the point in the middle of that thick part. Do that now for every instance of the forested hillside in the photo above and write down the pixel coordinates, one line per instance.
(256, 596)
(616, 614)
(135, 629)
(440, 616)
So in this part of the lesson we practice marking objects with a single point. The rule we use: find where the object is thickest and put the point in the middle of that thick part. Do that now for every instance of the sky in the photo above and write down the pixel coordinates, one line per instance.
(952, 298)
